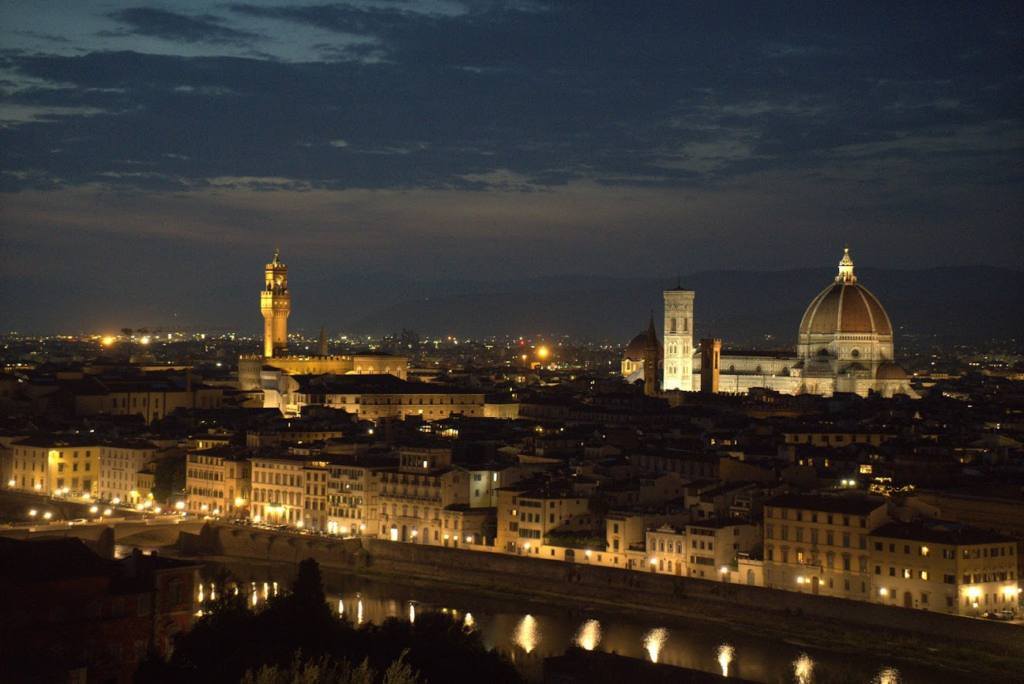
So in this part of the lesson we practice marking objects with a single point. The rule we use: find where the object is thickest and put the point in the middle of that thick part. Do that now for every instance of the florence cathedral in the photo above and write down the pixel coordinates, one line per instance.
(844, 344)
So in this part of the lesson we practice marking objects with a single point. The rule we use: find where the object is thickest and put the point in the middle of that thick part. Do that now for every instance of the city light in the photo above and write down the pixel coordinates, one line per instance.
(654, 642)
(527, 635)
(589, 635)
(725, 655)
(803, 669)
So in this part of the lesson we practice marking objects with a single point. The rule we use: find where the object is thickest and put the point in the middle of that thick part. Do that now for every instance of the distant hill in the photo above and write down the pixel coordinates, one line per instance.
(954, 304)
(970, 304)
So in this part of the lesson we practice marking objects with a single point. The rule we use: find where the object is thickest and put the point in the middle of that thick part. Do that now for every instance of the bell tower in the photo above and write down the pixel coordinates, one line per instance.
(275, 304)
(678, 362)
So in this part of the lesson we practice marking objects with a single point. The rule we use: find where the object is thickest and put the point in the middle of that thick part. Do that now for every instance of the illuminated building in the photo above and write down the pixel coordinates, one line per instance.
(633, 358)
(415, 497)
(529, 510)
(944, 567)
(818, 544)
(56, 465)
(218, 481)
(678, 363)
(844, 344)
(370, 397)
(275, 305)
(120, 463)
(278, 488)
(353, 493)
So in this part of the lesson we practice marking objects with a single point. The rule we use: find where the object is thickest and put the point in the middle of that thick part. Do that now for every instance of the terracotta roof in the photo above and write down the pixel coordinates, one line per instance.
(890, 371)
(850, 505)
(845, 308)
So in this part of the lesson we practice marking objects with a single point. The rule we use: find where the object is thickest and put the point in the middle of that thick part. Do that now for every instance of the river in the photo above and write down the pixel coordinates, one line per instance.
(529, 630)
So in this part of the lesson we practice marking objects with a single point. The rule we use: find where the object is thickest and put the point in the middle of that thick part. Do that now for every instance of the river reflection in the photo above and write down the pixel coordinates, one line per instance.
(531, 630)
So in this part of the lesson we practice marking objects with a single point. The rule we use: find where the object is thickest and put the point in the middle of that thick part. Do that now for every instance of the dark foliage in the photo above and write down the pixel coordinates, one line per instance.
(232, 639)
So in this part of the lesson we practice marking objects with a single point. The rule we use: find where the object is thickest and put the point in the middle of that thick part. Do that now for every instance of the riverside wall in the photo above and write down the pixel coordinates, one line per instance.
(266, 545)
(585, 582)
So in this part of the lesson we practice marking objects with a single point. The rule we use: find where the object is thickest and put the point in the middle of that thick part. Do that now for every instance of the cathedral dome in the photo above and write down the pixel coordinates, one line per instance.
(637, 347)
(845, 307)
(890, 371)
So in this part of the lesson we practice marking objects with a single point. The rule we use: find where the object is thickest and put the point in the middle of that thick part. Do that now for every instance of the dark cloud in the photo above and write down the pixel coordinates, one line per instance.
(669, 95)
(158, 23)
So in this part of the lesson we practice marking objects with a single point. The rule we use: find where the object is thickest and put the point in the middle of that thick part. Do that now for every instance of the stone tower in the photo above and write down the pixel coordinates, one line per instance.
(651, 354)
(678, 340)
(710, 364)
(321, 344)
(275, 304)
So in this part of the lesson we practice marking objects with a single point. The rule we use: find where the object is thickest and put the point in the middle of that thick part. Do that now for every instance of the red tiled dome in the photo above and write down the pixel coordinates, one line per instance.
(845, 307)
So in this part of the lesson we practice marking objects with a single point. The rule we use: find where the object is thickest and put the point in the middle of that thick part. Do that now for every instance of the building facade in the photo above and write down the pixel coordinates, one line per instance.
(56, 465)
(278, 489)
(275, 306)
(678, 364)
(943, 567)
(120, 464)
(218, 481)
(818, 544)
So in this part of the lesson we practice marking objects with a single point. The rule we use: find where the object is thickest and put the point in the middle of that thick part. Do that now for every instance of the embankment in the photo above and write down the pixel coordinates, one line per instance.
(755, 607)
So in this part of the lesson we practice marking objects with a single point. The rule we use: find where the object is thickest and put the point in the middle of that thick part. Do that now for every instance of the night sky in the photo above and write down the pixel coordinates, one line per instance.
(165, 149)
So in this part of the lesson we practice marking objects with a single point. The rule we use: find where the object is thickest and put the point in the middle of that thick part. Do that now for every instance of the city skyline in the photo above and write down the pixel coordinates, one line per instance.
(171, 146)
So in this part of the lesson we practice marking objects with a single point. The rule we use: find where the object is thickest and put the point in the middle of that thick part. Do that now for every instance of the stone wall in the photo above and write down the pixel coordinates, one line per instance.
(259, 544)
(594, 583)
(598, 583)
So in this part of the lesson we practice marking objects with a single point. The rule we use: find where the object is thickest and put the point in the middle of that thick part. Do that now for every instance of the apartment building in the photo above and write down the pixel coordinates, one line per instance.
(218, 481)
(529, 511)
(715, 546)
(414, 495)
(353, 493)
(944, 567)
(819, 543)
(57, 464)
(121, 462)
(278, 489)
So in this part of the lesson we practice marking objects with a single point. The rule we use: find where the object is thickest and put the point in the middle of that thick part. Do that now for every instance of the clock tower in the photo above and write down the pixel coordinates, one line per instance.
(275, 304)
